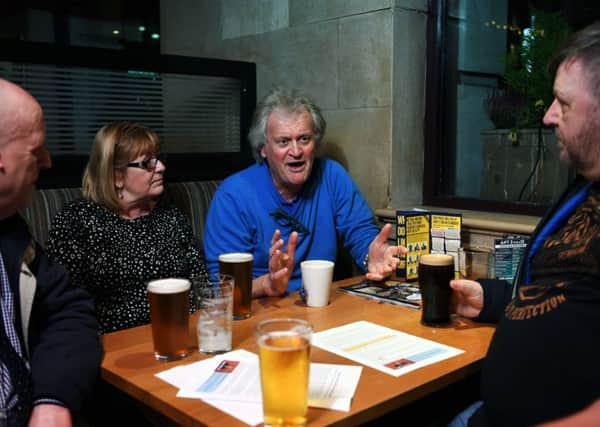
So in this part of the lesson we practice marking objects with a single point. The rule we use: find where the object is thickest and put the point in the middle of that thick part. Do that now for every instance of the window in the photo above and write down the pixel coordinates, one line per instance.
(109, 24)
(480, 154)
(201, 108)
(192, 113)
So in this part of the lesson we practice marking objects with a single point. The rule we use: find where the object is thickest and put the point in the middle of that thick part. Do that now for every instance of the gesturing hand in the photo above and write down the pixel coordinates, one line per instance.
(281, 264)
(383, 258)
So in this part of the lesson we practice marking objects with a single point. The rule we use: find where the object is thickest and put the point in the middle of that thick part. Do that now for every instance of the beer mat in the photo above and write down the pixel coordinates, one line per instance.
(387, 350)
(391, 291)
(231, 383)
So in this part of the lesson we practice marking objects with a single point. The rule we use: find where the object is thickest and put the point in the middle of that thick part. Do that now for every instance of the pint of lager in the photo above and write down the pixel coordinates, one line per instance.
(239, 265)
(169, 314)
(284, 354)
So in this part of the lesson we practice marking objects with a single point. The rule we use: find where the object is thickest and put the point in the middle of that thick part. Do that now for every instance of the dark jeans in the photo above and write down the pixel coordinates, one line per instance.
(462, 419)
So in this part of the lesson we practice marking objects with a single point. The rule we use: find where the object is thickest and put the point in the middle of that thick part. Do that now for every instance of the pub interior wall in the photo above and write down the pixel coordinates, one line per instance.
(363, 61)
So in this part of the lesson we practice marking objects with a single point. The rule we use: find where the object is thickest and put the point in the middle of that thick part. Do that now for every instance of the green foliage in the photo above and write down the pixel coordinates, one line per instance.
(526, 71)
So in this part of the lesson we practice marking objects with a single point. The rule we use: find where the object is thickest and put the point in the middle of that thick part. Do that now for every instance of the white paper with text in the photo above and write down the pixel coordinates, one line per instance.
(381, 348)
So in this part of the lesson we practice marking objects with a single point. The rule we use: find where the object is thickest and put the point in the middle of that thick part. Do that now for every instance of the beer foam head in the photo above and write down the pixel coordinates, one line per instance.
(168, 286)
(236, 257)
(436, 259)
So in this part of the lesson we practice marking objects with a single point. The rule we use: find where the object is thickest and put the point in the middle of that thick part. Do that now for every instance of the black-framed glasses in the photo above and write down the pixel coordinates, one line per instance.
(286, 220)
(148, 164)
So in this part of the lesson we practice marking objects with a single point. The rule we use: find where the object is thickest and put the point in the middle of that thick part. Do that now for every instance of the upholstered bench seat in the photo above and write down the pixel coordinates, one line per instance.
(192, 197)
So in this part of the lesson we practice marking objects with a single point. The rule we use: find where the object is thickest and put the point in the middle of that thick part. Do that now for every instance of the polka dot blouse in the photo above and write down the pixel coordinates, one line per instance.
(113, 257)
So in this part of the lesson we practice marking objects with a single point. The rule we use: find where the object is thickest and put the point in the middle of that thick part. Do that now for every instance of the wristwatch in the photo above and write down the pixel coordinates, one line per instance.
(366, 262)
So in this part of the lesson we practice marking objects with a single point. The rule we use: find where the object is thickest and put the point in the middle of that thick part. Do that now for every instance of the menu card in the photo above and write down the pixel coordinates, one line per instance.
(507, 256)
(387, 350)
(424, 232)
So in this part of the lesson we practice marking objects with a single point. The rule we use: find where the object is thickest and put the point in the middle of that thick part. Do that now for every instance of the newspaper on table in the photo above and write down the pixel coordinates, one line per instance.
(391, 291)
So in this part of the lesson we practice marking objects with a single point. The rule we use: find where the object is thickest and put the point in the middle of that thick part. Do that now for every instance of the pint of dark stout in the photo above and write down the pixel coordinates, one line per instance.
(435, 273)
(169, 314)
(239, 265)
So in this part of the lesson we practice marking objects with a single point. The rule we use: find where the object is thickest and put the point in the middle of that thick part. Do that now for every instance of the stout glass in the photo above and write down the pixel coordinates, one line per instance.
(284, 355)
(239, 266)
(169, 315)
(435, 273)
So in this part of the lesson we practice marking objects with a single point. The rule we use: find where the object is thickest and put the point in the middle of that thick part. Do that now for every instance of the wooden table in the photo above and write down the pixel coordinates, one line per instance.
(129, 363)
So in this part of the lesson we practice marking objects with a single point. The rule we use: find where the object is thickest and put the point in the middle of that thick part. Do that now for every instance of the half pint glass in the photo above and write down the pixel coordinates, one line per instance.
(239, 265)
(169, 314)
(284, 354)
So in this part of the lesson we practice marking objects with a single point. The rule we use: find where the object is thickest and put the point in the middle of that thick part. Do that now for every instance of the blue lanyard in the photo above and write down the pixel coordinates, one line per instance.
(552, 225)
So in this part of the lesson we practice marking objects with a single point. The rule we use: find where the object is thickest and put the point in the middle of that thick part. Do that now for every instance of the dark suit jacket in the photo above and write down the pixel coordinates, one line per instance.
(62, 345)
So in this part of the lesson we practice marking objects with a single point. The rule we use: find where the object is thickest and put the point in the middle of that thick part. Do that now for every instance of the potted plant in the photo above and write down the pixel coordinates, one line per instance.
(527, 88)
(520, 158)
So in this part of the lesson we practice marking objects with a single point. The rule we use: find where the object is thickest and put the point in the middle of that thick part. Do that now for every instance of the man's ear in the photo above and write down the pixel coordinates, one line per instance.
(1, 161)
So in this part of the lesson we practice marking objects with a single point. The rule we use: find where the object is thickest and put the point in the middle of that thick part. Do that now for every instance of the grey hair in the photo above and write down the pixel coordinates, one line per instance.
(583, 46)
(290, 100)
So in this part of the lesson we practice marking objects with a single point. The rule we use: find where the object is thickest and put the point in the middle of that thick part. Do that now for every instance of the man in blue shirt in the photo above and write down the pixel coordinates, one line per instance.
(291, 196)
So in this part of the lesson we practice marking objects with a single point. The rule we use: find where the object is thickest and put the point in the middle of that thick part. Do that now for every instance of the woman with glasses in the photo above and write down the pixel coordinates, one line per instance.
(118, 237)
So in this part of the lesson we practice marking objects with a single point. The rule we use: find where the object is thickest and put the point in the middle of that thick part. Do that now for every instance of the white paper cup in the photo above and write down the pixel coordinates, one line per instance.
(316, 279)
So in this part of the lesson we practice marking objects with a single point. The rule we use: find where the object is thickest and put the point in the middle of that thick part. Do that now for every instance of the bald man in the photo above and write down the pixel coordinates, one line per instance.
(49, 348)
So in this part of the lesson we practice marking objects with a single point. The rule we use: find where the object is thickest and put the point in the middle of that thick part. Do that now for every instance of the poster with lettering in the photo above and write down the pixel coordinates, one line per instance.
(423, 232)
(507, 256)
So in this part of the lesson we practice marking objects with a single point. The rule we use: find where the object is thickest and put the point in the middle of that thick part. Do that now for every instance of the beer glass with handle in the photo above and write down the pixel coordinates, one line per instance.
(284, 354)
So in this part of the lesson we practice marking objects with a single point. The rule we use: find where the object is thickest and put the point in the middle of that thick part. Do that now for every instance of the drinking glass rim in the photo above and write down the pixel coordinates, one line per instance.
(181, 281)
(301, 322)
(436, 260)
(322, 263)
(235, 257)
